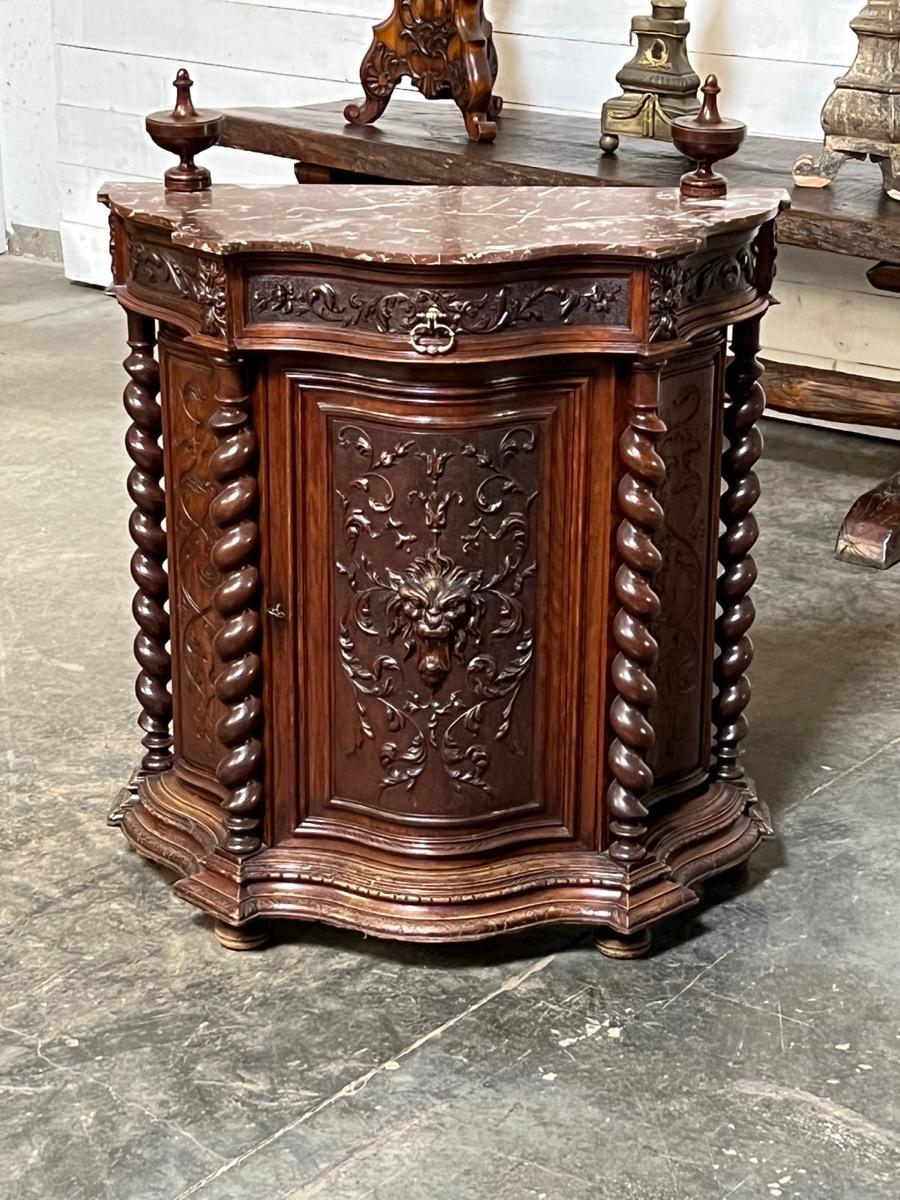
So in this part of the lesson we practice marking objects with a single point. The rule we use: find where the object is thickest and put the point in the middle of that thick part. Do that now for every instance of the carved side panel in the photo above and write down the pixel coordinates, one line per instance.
(435, 613)
(189, 403)
(683, 672)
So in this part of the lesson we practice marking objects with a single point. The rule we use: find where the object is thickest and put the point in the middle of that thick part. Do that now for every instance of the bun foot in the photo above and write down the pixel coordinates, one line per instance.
(245, 937)
(621, 945)
(609, 143)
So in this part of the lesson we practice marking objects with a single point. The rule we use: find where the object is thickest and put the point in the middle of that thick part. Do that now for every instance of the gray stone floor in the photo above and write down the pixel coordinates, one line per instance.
(756, 1055)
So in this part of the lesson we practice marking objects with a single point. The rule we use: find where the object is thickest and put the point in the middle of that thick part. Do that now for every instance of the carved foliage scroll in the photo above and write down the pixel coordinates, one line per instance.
(192, 443)
(678, 286)
(685, 541)
(200, 280)
(436, 540)
(306, 300)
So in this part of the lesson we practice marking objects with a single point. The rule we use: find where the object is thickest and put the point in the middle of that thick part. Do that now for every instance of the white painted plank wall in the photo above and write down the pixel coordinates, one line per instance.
(27, 119)
(116, 59)
(776, 59)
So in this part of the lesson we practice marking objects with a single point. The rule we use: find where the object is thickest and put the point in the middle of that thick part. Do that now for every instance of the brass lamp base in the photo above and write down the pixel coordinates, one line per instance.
(659, 85)
(862, 115)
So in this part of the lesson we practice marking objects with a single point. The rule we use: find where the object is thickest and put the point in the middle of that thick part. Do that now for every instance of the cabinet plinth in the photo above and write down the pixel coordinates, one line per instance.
(437, 522)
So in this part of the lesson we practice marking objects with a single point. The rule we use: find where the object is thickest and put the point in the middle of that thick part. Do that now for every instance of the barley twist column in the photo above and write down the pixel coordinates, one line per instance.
(148, 561)
(236, 600)
(640, 560)
(744, 446)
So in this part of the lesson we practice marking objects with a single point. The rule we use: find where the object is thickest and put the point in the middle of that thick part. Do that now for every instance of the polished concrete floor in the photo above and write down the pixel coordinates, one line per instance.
(756, 1055)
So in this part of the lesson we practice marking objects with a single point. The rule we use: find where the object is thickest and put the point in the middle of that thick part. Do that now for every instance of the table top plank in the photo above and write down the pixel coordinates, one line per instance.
(421, 142)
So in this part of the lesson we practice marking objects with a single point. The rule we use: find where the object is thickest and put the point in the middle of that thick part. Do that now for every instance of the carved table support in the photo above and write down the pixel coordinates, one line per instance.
(148, 561)
(640, 560)
(446, 49)
(870, 534)
(746, 405)
(236, 599)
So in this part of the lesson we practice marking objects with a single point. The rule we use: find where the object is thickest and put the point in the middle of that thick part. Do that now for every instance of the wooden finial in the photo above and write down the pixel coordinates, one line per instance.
(707, 139)
(185, 131)
(184, 105)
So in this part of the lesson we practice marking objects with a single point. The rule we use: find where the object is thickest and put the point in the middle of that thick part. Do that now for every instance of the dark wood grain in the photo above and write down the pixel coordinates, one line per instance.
(832, 395)
(443, 627)
(419, 143)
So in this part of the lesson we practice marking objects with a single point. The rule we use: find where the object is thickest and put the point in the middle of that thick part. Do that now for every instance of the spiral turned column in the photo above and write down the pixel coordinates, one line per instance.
(148, 567)
(744, 445)
(640, 560)
(236, 599)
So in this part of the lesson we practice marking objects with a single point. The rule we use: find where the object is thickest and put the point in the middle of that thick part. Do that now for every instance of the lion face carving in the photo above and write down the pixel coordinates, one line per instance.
(434, 607)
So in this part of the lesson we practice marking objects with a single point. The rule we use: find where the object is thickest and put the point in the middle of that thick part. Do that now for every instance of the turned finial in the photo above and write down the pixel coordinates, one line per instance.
(185, 131)
(707, 138)
(184, 105)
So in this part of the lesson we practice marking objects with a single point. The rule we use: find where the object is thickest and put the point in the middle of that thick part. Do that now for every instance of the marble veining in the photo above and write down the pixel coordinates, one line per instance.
(442, 226)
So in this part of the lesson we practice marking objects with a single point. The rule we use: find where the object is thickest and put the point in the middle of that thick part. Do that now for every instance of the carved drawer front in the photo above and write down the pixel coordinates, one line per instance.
(442, 640)
(188, 404)
(434, 320)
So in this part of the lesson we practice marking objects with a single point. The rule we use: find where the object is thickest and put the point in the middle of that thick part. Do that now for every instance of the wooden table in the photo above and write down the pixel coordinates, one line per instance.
(434, 537)
(421, 143)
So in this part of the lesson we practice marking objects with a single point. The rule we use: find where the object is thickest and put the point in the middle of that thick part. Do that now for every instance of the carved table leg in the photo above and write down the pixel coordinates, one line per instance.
(870, 534)
(619, 945)
(148, 561)
(244, 937)
(639, 604)
(746, 405)
(235, 555)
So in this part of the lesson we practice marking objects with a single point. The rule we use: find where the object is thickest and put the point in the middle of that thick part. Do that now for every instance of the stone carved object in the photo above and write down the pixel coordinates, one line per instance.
(446, 49)
(428, 644)
(658, 84)
(861, 117)
(185, 131)
(707, 138)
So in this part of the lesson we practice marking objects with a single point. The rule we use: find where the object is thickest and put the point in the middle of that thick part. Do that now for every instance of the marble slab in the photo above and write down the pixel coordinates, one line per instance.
(432, 226)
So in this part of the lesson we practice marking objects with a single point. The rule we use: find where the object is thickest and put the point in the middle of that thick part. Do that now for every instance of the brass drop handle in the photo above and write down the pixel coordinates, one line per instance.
(432, 334)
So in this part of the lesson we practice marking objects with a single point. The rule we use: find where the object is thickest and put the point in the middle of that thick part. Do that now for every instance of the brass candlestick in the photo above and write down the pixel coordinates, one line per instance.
(861, 117)
(658, 85)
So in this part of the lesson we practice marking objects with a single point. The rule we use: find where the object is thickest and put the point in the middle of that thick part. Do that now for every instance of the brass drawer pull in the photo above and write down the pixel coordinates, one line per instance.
(432, 335)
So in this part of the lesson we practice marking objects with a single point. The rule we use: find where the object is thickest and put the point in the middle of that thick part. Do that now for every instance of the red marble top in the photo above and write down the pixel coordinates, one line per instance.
(441, 225)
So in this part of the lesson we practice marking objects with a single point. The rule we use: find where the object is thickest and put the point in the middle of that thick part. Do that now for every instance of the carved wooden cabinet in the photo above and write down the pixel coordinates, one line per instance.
(431, 538)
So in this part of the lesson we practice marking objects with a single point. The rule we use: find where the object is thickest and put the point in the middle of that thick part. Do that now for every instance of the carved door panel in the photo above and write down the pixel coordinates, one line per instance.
(448, 612)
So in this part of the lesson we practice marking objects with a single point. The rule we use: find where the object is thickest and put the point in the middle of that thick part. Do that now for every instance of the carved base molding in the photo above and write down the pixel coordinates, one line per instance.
(694, 839)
